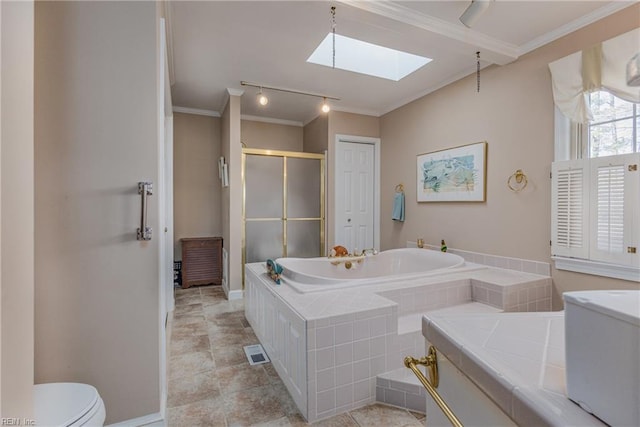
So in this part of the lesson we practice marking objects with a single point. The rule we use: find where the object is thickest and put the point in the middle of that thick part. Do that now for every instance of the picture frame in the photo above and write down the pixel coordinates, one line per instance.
(453, 175)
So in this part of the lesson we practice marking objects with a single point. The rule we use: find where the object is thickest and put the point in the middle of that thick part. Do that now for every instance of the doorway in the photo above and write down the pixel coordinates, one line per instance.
(357, 192)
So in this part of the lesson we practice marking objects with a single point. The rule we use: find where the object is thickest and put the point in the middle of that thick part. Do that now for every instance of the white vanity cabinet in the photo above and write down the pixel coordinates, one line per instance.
(465, 399)
(282, 333)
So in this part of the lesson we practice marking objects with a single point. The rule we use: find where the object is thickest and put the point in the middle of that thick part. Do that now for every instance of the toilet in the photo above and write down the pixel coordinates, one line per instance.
(67, 405)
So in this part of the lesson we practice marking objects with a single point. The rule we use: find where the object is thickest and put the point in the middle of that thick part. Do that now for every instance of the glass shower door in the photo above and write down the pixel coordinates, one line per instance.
(263, 212)
(283, 207)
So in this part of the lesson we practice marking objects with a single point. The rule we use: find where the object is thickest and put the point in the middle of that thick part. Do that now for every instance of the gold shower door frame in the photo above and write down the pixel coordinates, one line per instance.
(285, 219)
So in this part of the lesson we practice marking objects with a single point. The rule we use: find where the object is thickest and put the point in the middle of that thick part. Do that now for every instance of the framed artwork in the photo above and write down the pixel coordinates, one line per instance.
(453, 175)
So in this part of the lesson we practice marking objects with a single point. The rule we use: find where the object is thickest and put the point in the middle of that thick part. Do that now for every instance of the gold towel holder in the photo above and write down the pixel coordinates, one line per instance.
(431, 383)
(399, 188)
(518, 181)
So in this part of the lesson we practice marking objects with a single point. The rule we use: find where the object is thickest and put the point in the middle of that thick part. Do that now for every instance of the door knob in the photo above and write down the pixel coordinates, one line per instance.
(348, 219)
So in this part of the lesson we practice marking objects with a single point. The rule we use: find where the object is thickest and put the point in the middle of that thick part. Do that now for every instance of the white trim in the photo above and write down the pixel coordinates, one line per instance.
(140, 421)
(227, 94)
(165, 278)
(169, 34)
(494, 49)
(235, 294)
(197, 111)
(574, 25)
(597, 268)
(235, 92)
(271, 120)
(361, 111)
(376, 185)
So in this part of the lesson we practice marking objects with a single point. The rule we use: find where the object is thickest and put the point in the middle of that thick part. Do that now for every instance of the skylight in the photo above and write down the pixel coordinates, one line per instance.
(366, 58)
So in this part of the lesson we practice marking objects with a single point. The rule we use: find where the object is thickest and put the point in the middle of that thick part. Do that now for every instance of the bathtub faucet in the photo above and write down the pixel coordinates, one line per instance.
(372, 251)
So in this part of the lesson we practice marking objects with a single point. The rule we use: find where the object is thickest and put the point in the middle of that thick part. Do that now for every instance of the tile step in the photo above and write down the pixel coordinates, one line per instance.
(401, 388)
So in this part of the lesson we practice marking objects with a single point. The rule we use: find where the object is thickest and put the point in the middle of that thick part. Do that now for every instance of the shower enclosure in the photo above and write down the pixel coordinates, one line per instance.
(283, 204)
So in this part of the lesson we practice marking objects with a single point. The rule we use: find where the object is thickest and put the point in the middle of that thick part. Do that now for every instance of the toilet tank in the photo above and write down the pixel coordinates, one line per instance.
(602, 344)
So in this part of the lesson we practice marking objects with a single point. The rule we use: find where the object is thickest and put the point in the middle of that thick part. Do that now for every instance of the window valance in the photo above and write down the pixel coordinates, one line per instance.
(603, 66)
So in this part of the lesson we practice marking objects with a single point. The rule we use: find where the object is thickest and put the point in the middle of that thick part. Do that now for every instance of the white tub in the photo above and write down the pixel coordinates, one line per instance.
(316, 274)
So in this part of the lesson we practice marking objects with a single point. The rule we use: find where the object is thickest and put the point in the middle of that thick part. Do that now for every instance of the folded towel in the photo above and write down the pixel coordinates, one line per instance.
(275, 270)
(398, 207)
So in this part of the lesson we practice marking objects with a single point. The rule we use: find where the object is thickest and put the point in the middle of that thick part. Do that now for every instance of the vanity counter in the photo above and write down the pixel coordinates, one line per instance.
(517, 359)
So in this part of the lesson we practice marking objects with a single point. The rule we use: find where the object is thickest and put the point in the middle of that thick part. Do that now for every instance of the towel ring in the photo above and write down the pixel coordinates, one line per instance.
(399, 188)
(518, 181)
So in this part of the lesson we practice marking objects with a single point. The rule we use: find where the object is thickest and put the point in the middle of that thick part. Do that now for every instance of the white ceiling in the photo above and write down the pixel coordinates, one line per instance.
(214, 45)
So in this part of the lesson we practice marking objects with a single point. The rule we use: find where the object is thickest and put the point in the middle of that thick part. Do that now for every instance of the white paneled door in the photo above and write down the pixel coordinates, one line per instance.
(355, 197)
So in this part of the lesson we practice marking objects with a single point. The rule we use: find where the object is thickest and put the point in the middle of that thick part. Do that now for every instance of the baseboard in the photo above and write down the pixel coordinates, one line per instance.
(237, 294)
(155, 420)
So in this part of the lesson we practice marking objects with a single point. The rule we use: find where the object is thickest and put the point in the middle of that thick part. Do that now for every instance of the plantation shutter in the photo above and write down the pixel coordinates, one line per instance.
(615, 184)
(570, 209)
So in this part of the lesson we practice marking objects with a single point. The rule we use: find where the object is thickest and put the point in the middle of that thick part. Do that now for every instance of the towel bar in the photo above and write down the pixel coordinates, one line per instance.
(431, 362)
(144, 232)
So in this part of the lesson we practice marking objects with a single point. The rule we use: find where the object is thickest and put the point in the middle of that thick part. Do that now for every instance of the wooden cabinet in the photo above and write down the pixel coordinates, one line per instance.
(201, 261)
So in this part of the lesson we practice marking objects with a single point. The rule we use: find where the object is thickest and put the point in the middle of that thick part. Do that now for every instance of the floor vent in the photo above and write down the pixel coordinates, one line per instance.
(256, 354)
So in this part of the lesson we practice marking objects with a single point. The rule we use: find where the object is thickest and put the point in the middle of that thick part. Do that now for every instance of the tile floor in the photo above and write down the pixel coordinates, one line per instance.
(212, 384)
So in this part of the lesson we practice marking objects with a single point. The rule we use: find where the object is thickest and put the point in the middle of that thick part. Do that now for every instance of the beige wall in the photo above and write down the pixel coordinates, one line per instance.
(96, 136)
(196, 186)
(16, 214)
(340, 123)
(352, 124)
(514, 113)
(316, 135)
(271, 136)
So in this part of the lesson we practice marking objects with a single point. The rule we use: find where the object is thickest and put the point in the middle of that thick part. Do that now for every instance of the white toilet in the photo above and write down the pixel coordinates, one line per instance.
(67, 405)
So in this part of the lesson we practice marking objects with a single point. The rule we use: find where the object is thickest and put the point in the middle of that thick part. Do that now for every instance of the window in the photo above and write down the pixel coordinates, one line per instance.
(596, 199)
(614, 129)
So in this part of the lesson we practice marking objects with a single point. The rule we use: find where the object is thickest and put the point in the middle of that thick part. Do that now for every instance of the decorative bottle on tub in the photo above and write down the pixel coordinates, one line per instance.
(443, 246)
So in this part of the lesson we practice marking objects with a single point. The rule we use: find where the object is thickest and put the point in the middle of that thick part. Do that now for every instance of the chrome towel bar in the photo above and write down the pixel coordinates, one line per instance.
(144, 189)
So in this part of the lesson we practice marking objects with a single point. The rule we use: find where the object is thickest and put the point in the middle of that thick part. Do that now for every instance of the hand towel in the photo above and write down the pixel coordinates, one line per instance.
(398, 207)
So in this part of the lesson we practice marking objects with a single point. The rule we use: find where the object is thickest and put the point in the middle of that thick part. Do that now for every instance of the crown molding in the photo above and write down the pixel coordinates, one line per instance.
(197, 111)
(498, 51)
(575, 25)
(235, 92)
(361, 111)
(271, 120)
(227, 94)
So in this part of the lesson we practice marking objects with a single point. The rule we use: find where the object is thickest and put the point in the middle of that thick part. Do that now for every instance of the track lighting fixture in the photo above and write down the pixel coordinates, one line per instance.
(263, 100)
(325, 106)
(473, 12)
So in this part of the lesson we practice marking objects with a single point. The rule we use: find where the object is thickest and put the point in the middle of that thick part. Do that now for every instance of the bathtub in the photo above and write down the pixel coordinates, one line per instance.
(316, 274)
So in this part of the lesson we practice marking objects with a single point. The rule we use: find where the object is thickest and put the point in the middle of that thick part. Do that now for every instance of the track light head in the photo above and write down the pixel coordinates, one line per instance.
(474, 11)
(325, 106)
(262, 98)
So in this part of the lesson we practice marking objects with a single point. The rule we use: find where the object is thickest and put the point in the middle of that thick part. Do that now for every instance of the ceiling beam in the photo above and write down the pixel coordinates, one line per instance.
(493, 50)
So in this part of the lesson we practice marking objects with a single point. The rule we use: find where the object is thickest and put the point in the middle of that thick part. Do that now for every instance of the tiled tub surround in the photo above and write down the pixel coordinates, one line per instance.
(509, 263)
(517, 359)
(329, 347)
